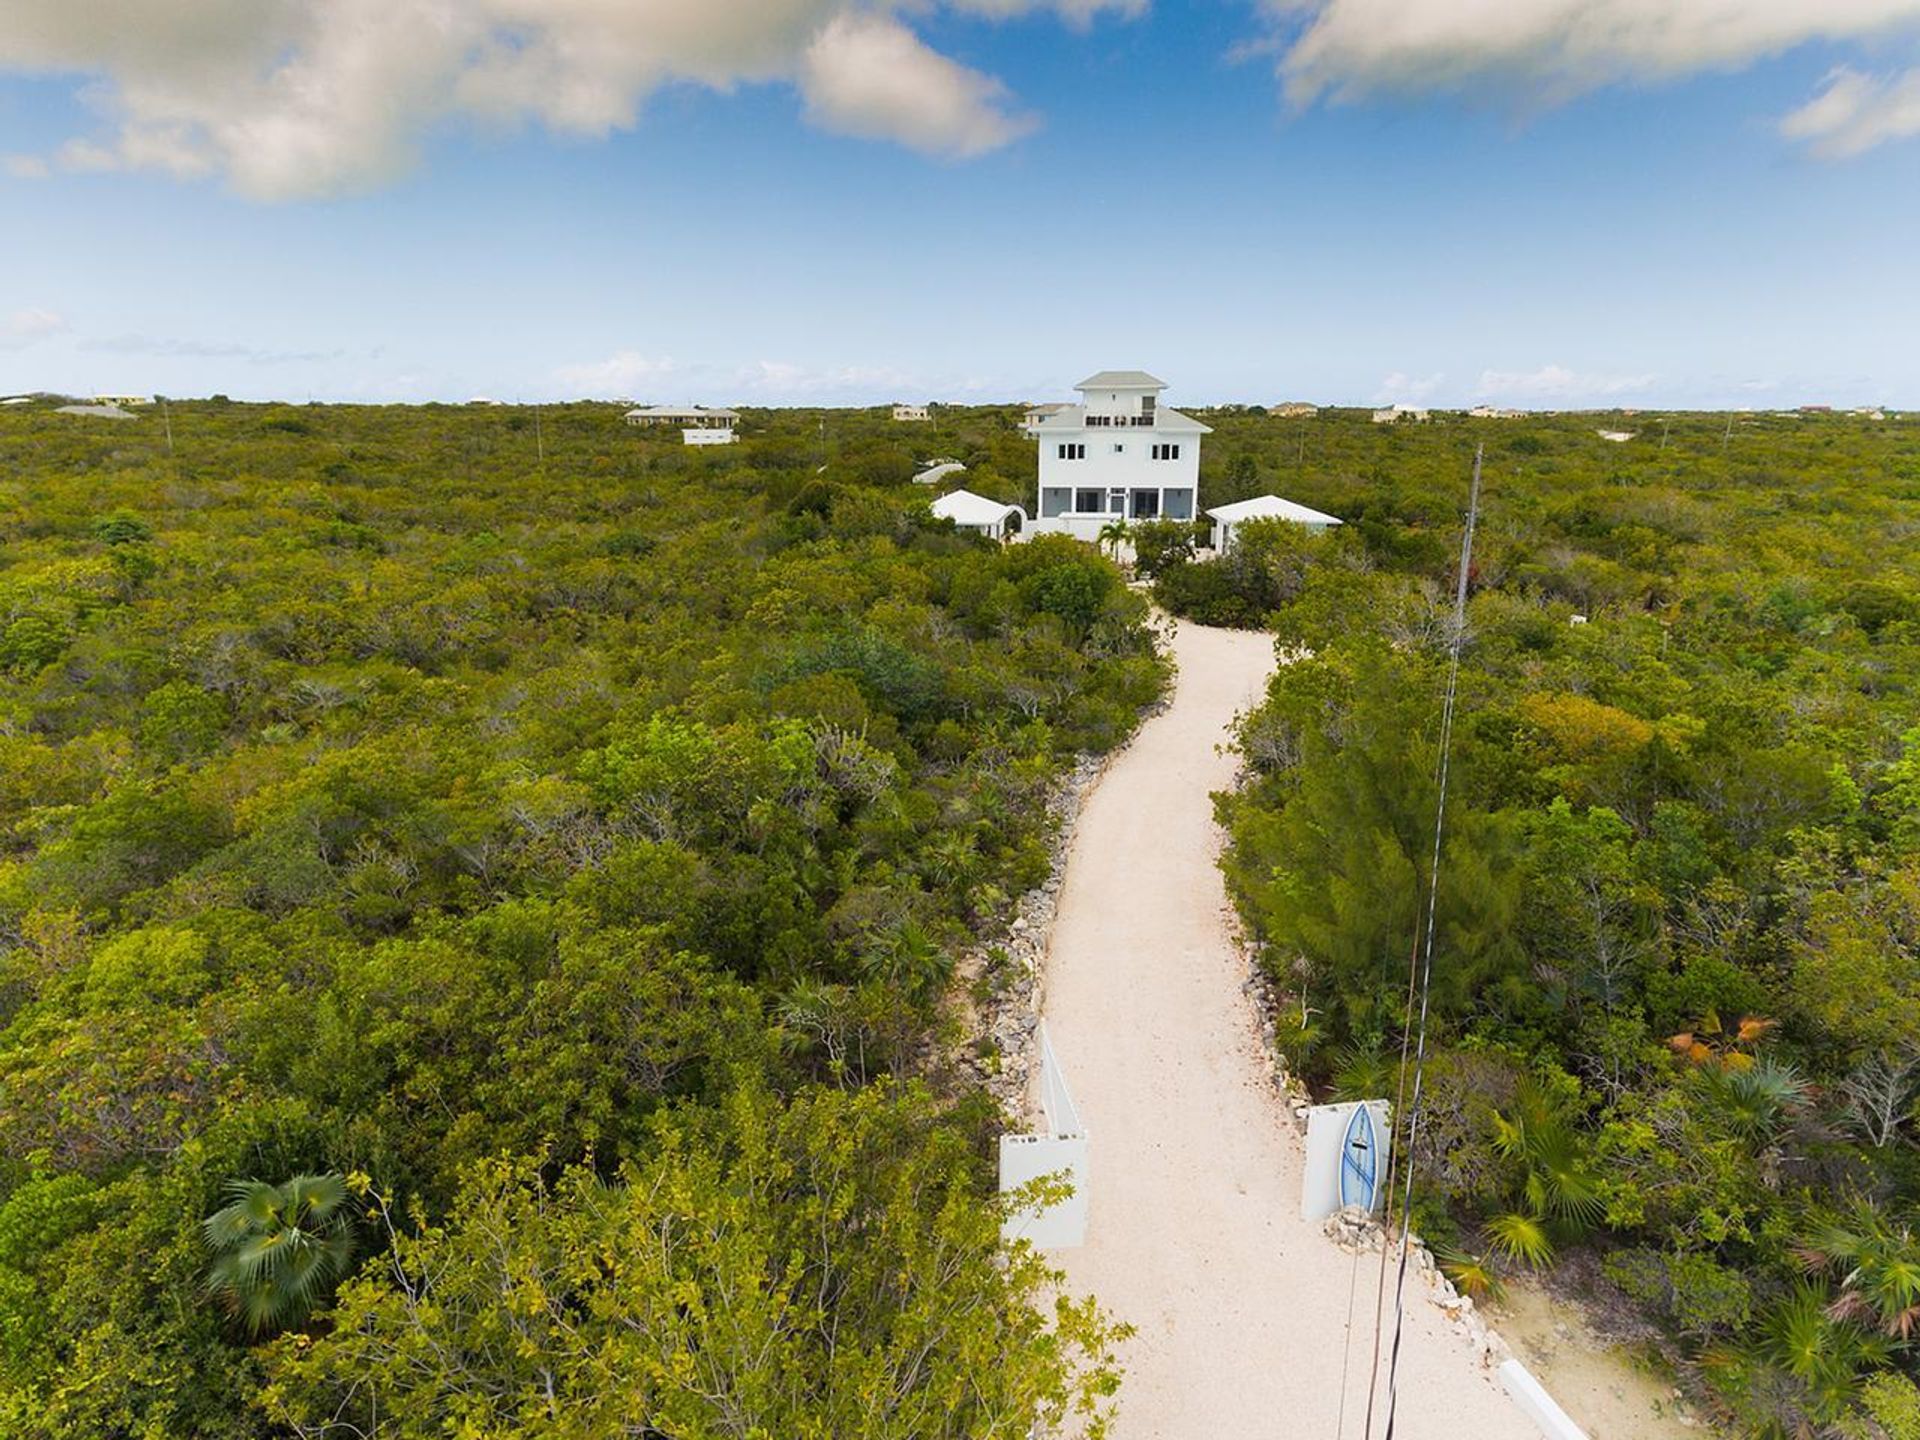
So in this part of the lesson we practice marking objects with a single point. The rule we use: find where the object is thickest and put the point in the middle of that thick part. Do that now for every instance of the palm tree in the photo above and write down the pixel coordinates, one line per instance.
(1757, 1100)
(1111, 535)
(279, 1249)
(1557, 1189)
(1877, 1258)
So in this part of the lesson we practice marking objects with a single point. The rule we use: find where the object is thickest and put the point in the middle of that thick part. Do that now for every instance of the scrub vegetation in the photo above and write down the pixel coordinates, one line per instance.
(1676, 989)
(477, 891)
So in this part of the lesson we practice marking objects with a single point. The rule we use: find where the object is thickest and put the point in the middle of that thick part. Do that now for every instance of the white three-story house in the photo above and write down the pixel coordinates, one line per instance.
(1117, 455)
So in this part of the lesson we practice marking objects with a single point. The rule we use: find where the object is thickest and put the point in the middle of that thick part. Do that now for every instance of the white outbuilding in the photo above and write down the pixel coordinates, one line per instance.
(1266, 507)
(995, 519)
(913, 412)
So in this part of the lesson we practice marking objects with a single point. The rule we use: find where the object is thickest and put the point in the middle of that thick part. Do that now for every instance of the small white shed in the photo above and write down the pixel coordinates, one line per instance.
(1266, 507)
(993, 518)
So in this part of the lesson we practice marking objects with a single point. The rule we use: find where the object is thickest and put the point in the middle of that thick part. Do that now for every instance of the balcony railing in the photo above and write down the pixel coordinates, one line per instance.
(1127, 421)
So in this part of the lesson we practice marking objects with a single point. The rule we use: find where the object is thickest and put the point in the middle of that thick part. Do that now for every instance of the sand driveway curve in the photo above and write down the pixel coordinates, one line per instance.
(1195, 1234)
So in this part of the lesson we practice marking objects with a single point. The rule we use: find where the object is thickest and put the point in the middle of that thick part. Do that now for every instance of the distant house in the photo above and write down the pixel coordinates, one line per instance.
(123, 399)
(1492, 412)
(1816, 409)
(483, 400)
(698, 426)
(1038, 415)
(995, 519)
(1394, 414)
(1266, 507)
(1118, 455)
(938, 470)
(1295, 410)
(1618, 437)
(913, 412)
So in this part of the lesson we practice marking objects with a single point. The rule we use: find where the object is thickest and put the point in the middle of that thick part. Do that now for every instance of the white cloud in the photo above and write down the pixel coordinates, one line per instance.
(29, 327)
(24, 167)
(870, 76)
(629, 374)
(1547, 51)
(170, 348)
(292, 98)
(1556, 382)
(619, 376)
(1856, 112)
(1554, 47)
(1399, 388)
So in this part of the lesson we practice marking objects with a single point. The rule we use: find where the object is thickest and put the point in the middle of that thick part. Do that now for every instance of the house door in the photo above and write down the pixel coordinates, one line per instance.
(1146, 505)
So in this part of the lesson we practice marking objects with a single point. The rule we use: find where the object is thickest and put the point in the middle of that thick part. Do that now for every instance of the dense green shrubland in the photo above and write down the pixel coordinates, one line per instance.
(552, 836)
(1676, 998)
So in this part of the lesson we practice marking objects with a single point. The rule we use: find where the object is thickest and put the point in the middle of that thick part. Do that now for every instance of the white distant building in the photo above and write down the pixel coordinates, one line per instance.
(1394, 414)
(1492, 412)
(1038, 415)
(698, 426)
(1266, 507)
(123, 399)
(1117, 455)
(995, 519)
(1295, 410)
(913, 412)
(1618, 437)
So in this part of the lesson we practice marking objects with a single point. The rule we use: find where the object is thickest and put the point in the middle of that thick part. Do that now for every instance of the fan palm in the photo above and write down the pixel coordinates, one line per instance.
(1878, 1261)
(279, 1249)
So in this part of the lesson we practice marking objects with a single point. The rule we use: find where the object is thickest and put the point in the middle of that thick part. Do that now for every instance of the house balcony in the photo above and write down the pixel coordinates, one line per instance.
(1121, 421)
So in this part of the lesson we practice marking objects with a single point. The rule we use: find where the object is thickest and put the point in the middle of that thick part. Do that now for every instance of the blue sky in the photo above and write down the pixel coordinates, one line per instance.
(1544, 203)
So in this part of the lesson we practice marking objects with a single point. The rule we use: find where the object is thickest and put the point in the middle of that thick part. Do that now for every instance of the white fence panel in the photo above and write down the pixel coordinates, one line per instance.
(1326, 1144)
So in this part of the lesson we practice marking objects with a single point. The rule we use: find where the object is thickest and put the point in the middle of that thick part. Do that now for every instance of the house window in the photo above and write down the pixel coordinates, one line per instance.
(1086, 502)
(1146, 407)
(1146, 504)
(1073, 452)
(1117, 501)
(1053, 502)
(1118, 448)
(1166, 452)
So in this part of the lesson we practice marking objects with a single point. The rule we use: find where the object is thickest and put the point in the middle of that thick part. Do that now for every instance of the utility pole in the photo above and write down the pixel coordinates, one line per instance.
(166, 414)
(539, 441)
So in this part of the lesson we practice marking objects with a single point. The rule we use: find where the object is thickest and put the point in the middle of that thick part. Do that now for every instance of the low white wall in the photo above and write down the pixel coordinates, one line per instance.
(1537, 1404)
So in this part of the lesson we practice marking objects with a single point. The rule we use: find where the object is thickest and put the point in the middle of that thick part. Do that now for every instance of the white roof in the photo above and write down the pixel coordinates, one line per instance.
(1272, 507)
(1121, 380)
(963, 507)
(938, 471)
(1074, 417)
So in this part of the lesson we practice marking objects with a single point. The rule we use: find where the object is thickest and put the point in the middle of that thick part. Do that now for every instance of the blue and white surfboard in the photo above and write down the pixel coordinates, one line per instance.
(1360, 1160)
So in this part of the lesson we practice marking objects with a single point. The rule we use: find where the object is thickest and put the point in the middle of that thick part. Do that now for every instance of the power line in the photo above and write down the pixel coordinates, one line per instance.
(1423, 962)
